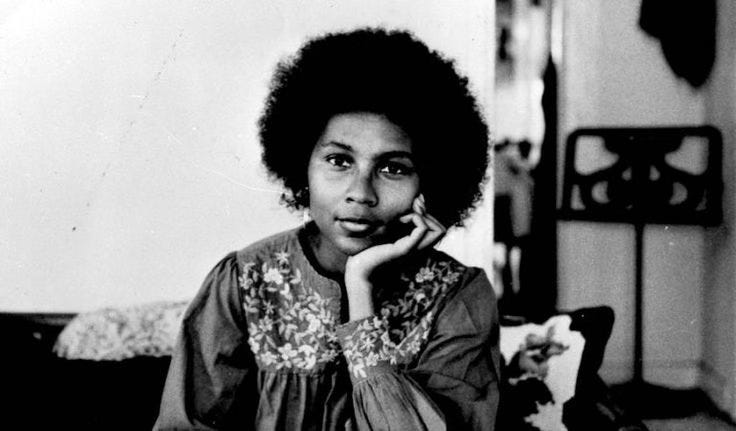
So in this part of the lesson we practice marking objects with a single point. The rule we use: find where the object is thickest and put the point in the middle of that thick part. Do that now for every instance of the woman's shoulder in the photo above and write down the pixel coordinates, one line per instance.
(464, 282)
(440, 262)
(470, 297)
(222, 282)
(278, 246)
(435, 279)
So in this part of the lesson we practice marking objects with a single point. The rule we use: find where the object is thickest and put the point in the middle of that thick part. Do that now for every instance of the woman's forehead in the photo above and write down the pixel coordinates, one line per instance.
(364, 131)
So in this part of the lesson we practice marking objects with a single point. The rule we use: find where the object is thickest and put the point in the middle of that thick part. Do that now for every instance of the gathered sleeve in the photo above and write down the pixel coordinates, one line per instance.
(453, 383)
(212, 369)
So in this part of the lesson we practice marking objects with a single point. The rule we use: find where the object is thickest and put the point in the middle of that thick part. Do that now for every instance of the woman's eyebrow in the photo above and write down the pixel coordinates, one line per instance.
(382, 156)
(397, 154)
(337, 144)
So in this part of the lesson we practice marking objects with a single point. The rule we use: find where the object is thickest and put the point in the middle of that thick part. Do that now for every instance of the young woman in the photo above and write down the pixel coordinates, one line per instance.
(352, 321)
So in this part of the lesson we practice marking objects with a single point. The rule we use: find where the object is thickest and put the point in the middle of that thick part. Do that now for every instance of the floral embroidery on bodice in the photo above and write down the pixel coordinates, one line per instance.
(403, 322)
(290, 325)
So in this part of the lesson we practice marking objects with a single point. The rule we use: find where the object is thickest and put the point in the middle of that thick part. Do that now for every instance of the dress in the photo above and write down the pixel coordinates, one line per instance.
(263, 346)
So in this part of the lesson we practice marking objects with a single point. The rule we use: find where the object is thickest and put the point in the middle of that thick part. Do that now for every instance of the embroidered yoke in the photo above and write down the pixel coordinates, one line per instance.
(264, 346)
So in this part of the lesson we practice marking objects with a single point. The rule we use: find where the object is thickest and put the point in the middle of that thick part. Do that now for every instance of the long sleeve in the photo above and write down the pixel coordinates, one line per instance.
(460, 367)
(453, 383)
(212, 370)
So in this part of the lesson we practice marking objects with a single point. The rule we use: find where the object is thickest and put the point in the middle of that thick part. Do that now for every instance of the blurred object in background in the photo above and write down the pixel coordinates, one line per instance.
(524, 224)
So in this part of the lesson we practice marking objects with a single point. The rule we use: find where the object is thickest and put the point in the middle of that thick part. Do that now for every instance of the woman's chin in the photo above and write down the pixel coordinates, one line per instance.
(352, 246)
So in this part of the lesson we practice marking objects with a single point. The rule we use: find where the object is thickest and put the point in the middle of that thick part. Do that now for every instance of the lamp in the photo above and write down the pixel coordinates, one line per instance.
(646, 183)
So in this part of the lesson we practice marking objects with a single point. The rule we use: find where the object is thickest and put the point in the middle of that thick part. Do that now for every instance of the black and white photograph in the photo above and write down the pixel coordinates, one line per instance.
(509, 215)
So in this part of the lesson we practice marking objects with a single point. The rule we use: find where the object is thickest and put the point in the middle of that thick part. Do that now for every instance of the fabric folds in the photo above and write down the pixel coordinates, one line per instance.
(264, 346)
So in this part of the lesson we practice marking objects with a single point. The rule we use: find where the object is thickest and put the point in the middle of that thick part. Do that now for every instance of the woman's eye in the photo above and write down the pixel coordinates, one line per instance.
(395, 168)
(338, 160)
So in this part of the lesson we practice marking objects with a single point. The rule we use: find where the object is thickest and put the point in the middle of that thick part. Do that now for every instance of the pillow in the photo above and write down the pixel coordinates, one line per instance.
(549, 365)
(121, 333)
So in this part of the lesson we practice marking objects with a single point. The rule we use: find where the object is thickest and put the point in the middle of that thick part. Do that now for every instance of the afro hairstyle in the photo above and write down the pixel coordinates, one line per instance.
(390, 73)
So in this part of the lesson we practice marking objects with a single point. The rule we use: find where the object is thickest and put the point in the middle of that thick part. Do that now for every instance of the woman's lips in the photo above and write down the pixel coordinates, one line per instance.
(357, 226)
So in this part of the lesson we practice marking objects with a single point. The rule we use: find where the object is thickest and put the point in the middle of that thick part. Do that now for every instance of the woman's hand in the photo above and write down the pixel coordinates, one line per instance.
(427, 232)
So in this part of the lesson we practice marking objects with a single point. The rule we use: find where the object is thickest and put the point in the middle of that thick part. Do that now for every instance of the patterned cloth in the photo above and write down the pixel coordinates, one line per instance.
(541, 373)
(114, 334)
(265, 345)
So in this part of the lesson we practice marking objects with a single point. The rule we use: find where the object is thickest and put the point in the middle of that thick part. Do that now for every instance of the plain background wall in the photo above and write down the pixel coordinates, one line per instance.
(613, 74)
(719, 343)
(129, 160)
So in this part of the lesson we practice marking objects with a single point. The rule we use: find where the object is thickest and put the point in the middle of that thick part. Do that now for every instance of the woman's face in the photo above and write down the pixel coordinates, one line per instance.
(362, 177)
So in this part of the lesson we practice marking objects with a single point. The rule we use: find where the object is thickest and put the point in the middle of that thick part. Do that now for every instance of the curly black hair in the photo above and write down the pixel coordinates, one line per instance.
(384, 72)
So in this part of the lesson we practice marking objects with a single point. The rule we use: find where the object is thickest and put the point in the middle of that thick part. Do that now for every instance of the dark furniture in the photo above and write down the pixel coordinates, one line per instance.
(642, 185)
(43, 391)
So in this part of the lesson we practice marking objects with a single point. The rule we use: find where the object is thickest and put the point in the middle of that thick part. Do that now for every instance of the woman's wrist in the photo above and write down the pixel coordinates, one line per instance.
(360, 295)
(360, 307)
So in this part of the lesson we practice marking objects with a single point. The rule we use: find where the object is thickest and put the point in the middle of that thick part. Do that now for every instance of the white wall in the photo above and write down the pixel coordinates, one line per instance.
(719, 349)
(613, 74)
(129, 161)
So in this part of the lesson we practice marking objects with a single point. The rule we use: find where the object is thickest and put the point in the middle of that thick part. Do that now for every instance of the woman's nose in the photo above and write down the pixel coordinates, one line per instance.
(362, 190)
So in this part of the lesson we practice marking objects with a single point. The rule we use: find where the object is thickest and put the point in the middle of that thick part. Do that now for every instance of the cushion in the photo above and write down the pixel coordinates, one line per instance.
(549, 365)
(121, 333)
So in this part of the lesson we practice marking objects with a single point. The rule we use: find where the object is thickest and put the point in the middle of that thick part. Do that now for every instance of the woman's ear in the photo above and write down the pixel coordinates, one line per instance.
(302, 196)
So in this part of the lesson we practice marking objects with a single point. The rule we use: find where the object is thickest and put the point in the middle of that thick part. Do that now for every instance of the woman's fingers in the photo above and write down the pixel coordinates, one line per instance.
(425, 233)
(430, 228)
(435, 230)
(415, 237)
(418, 205)
(434, 233)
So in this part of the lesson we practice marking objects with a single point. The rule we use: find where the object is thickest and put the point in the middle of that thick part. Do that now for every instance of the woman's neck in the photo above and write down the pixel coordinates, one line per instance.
(331, 261)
